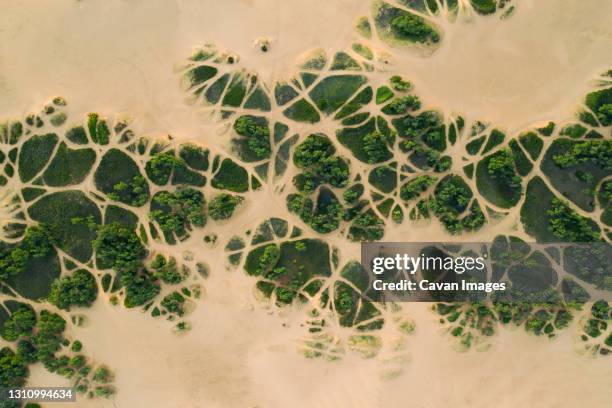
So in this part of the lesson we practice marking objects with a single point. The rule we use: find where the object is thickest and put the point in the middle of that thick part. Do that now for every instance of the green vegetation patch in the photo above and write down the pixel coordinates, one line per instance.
(194, 156)
(404, 26)
(78, 289)
(288, 267)
(550, 219)
(223, 205)
(30, 266)
(69, 166)
(254, 144)
(71, 218)
(366, 142)
(34, 155)
(118, 176)
(575, 168)
(532, 143)
(600, 103)
(302, 111)
(334, 91)
(497, 179)
(231, 176)
(484, 6)
(176, 212)
(383, 178)
(120, 215)
(522, 162)
(451, 204)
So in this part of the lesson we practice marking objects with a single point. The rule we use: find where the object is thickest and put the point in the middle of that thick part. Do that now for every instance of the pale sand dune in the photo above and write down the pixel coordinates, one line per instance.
(245, 358)
(535, 66)
(118, 55)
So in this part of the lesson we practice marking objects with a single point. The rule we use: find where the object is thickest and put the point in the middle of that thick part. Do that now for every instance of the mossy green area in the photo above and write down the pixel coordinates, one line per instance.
(35, 154)
(178, 212)
(195, 157)
(484, 6)
(576, 167)
(497, 179)
(453, 205)
(522, 162)
(34, 282)
(254, 143)
(604, 197)
(201, 74)
(302, 111)
(474, 146)
(232, 177)
(363, 98)
(334, 91)
(119, 177)
(258, 100)
(532, 144)
(72, 219)
(551, 219)
(600, 103)
(403, 26)
(534, 212)
(235, 92)
(69, 166)
(495, 139)
(287, 267)
(120, 215)
(383, 178)
(367, 142)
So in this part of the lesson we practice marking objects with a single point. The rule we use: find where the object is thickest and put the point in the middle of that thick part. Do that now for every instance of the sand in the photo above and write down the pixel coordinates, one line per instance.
(118, 56)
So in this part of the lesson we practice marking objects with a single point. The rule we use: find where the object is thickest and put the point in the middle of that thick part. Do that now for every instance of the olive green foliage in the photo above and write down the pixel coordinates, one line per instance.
(175, 211)
(257, 133)
(71, 218)
(13, 370)
(49, 336)
(366, 227)
(604, 114)
(223, 205)
(484, 6)
(451, 199)
(174, 303)
(501, 166)
(402, 105)
(600, 103)
(69, 166)
(34, 155)
(315, 155)
(569, 226)
(413, 28)
(400, 84)
(231, 176)
(413, 188)
(118, 176)
(135, 193)
(597, 151)
(78, 289)
(160, 167)
(334, 91)
(375, 145)
(37, 243)
(166, 269)
(118, 247)
(20, 323)
(497, 178)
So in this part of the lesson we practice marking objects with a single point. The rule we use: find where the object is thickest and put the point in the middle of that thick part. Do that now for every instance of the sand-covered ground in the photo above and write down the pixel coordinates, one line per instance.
(119, 55)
